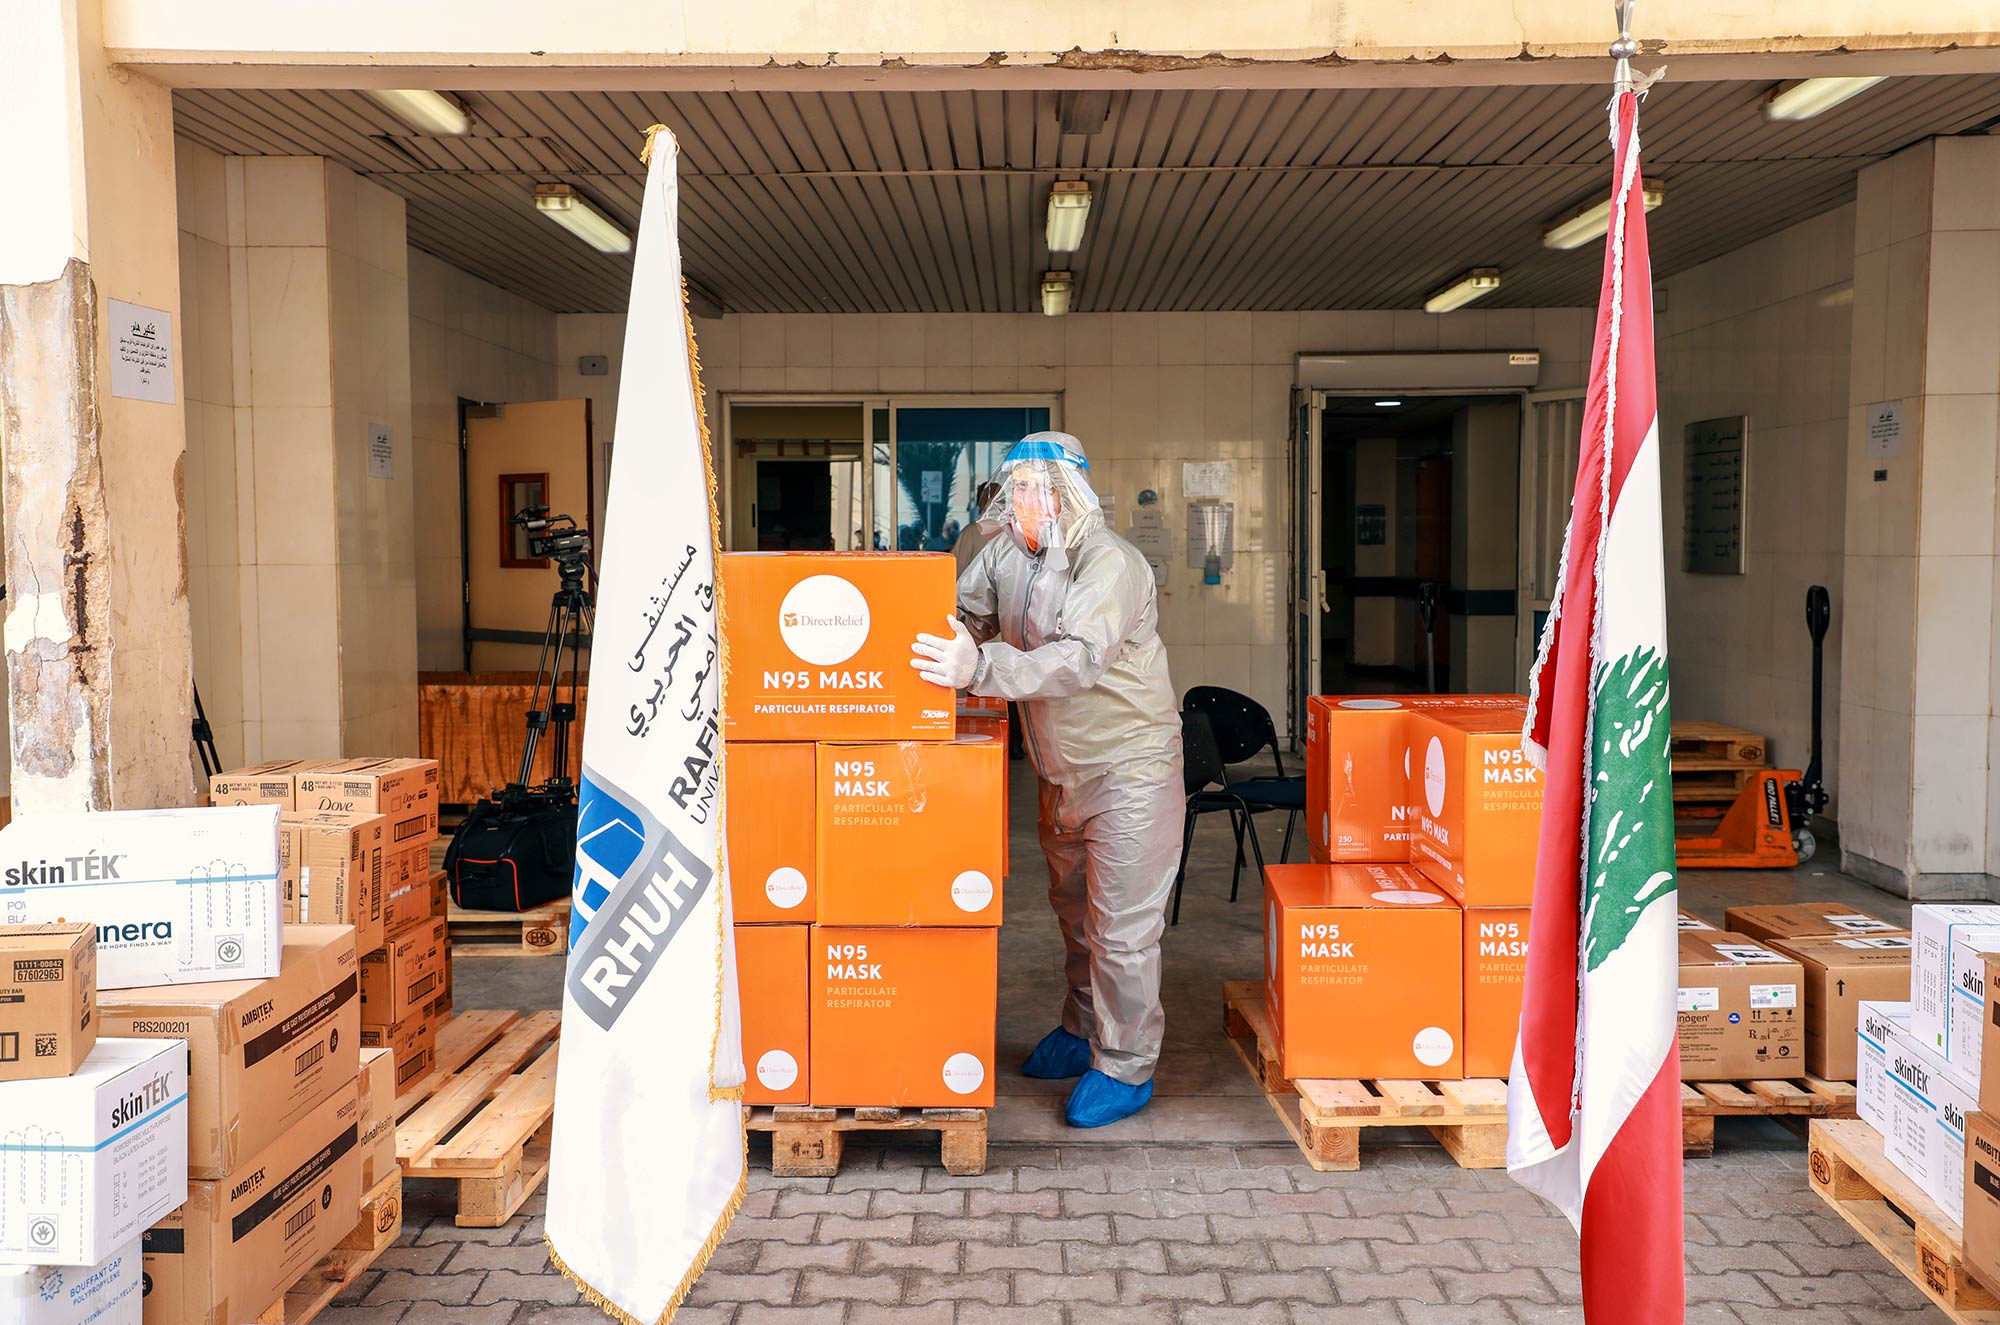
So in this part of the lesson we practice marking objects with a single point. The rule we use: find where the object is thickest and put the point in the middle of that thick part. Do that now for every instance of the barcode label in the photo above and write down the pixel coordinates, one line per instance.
(1700, 998)
(309, 1059)
(1774, 996)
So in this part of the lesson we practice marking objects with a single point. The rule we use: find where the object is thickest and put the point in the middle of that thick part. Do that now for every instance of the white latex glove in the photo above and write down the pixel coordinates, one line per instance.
(947, 662)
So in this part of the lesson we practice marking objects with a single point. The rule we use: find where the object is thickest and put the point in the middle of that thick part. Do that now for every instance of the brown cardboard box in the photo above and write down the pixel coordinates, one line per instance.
(1740, 1013)
(1840, 971)
(404, 789)
(1982, 1196)
(376, 1088)
(241, 1241)
(1797, 920)
(272, 782)
(413, 1042)
(48, 984)
(410, 894)
(402, 976)
(331, 867)
(262, 1054)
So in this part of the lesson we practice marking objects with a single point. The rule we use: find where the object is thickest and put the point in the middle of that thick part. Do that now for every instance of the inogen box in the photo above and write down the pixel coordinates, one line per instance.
(178, 896)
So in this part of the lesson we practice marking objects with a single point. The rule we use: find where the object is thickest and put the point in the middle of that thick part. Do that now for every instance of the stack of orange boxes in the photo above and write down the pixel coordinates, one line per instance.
(865, 841)
(355, 849)
(1422, 818)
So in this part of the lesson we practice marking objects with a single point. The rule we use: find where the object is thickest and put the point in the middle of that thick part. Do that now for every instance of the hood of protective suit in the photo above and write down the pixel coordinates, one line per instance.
(1045, 500)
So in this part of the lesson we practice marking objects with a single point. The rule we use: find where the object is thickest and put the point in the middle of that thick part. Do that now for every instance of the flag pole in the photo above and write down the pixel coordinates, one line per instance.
(1624, 48)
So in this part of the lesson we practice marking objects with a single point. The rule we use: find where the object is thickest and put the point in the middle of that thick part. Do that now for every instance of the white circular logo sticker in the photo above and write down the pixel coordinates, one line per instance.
(824, 620)
(1434, 777)
(963, 1074)
(1370, 704)
(777, 1070)
(1412, 898)
(1271, 940)
(786, 888)
(1432, 1046)
(972, 891)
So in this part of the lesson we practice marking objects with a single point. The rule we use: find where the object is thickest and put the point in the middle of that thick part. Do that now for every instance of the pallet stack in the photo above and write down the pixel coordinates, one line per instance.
(1712, 763)
(865, 844)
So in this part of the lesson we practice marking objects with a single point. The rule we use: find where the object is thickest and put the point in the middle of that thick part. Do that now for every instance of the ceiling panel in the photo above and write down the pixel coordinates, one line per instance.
(1222, 199)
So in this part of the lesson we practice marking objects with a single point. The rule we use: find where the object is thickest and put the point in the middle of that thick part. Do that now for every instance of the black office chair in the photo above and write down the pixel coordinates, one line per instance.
(1243, 730)
(1202, 776)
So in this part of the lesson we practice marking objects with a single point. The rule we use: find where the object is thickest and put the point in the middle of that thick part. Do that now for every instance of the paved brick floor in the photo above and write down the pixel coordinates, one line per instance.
(1095, 1235)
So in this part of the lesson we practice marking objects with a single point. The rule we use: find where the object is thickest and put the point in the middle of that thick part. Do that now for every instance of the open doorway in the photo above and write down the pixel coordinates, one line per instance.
(796, 481)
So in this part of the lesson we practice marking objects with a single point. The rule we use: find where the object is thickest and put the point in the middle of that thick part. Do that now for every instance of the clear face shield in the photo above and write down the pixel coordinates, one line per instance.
(1047, 506)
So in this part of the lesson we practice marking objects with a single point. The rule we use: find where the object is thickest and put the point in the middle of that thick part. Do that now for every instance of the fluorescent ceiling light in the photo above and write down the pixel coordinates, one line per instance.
(1056, 289)
(560, 203)
(1387, 404)
(1069, 208)
(1579, 228)
(1475, 284)
(421, 108)
(1802, 101)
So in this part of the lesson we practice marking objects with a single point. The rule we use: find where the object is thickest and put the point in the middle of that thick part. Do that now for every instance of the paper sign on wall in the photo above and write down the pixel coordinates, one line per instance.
(142, 352)
(1211, 528)
(1885, 430)
(1155, 544)
(381, 452)
(1207, 479)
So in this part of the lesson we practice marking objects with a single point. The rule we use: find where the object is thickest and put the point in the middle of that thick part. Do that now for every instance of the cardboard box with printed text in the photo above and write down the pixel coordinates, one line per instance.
(1841, 971)
(773, 831)
(1878, 1023)
(1740, 1013)
(1934, 927)
(112, 1292)
(331, 865)
(1798, 920)
(411, 1041)
(400, 978)
(272, 782)
(1981, 1220)
(776, 997)
(1479, 806)
(903, 1017)
(1496, 965)
(375, 1086)
(910, 833)
(48, 985)
(1928, 1108)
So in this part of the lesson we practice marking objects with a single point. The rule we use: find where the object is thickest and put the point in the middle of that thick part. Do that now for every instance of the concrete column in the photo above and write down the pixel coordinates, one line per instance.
(1920, 744)
(1485, 515)
(97, 636)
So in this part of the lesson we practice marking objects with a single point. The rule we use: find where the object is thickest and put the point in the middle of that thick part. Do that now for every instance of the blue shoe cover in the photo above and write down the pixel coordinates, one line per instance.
(1059, 1055)
(1098, 1100)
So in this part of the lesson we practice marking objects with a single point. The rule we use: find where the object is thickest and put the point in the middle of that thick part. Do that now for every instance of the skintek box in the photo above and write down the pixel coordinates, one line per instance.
(1966, 1041)
(177, 895)
(1479, 814)
(48, 985)
(903, 1017)
(1878, 1023)
(243, 1240)
(88, 1161)
(375, 1086)
(108, 1293)
(269, 783)
(1363, 972)
(1927, 1112)
(1496, 967)
(910, 833)
(772, 978)
(262, 1053)
(1798, 920)
(331, 865)
(819, 645)
(1740, 1013)
(773, 829)
(1934, 927)
(1842, 971)
(400, 978)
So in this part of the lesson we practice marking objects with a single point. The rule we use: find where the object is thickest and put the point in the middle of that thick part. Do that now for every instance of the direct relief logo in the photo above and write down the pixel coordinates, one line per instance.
(1434, 777)
(824, 620)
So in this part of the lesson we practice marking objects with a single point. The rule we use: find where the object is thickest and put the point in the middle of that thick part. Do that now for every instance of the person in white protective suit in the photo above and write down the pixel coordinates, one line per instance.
(1058, 614)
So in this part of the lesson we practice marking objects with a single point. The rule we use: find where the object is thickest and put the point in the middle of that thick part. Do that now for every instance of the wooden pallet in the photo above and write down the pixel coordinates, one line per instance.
(807, 1142)
(1325, 1118)
(1697, 744)
(542, 932)
(373, 1233)
(482, 1115)
(1851, 1174)
(1788, 1101)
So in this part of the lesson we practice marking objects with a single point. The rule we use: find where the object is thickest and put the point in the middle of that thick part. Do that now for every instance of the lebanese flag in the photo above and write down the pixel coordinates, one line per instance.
(1593, 1106)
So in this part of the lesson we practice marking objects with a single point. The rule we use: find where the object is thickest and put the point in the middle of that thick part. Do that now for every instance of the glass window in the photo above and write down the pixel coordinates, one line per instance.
(944, 453)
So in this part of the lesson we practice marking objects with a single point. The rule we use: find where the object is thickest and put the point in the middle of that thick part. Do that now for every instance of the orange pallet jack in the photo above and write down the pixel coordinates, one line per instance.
(1768, 826)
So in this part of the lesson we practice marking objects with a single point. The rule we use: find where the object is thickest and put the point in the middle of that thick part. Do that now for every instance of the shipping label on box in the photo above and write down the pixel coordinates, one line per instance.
(1928, 1109)
(48, 982)
(1840, 972)
(773, 827)
(88, 1161)
(1479, 811)
(243, 1240)
(1363, 972)
(903, 1017)
(111, 1292)
(403, 790)
(1798, 920)
(1934, 927)
(263, 1053)
(773, 979)
(1877, 1025)
(331, 864)
(819, 645)
(376, 1089)
(1741, 1013)
(910, 833)
(269, 783)
(1684, 921)
(176, 895)
(402, 976)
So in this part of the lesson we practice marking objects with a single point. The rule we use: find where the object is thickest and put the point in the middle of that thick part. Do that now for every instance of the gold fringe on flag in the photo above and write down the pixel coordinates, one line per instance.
(701, 1260)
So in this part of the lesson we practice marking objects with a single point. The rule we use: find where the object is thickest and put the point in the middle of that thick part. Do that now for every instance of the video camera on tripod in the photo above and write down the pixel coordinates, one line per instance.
(556, 538)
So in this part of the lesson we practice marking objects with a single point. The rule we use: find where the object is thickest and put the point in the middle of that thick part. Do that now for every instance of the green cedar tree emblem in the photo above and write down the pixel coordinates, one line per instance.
(1631, 808)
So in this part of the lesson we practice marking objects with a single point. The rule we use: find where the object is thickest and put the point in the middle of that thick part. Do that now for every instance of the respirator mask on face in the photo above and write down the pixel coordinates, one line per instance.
(1034, 510)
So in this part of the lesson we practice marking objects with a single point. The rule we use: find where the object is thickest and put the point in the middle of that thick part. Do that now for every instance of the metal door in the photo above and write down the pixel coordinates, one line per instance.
(1309, 582)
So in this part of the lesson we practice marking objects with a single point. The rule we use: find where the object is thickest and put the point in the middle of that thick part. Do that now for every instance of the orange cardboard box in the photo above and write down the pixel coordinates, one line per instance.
(1479, 807)
(776, 1012)
(1496, 964)
(819, 645)
(910, 833)
(1358, 770)
(903, 1017)
(1362, 972)
(773, 832)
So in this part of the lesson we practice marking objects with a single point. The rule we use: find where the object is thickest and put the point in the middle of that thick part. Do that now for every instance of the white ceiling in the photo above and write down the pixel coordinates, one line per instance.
(1222, 199)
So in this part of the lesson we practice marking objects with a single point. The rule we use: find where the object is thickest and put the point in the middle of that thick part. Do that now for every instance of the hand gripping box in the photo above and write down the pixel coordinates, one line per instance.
(177, 896)
(1740, 1013)
(88, 1161)
(331, 865)
(1363, 973)
(910, 833)
(776, 1004)
(241, 1241)
(903, 1017)
(1479, 806)
(1798, 920)
(1841, 971)
(1934, 927)
(48, 984)
(773, 853)
(110, 1292)
(1877, 1026)
(819, 645)
(262, 1054)
(403, 790)
(1359, 770)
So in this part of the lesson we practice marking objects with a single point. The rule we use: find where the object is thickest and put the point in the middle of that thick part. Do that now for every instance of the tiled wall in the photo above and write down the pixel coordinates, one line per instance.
(1763, 332)
(469, 340)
